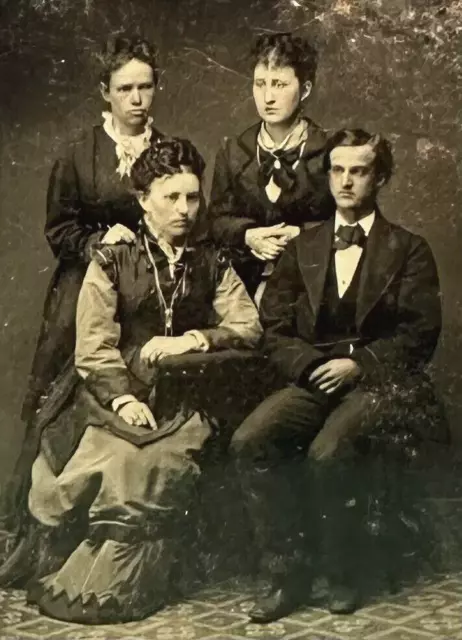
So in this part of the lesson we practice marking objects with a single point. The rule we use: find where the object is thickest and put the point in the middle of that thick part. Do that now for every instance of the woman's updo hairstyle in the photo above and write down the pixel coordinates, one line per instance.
(118, 50)
(165, 157)
(286, 50)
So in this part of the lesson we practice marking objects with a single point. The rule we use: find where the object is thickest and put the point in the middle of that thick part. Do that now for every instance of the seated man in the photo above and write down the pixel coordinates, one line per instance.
(351, 316)
(122, 454)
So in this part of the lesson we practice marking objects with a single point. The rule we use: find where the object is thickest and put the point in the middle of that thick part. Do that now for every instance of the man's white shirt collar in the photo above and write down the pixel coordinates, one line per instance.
(346, 261)
(366, 222)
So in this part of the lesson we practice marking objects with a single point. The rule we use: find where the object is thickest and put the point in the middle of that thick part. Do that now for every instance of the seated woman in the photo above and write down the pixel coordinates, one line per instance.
(128, 456)
(268, 181)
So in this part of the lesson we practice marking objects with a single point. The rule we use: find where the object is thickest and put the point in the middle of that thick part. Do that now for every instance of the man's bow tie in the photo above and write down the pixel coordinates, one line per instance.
(279, 166)
(345, 236)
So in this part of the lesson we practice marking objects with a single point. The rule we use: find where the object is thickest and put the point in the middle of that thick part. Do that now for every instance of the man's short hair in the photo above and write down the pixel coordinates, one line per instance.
(383, 163)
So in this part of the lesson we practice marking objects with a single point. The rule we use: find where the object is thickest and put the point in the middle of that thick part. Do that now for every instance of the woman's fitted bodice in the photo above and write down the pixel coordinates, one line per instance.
(87, 196)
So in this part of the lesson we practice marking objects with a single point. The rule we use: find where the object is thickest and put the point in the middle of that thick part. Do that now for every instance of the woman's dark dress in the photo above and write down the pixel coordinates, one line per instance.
(238, 200)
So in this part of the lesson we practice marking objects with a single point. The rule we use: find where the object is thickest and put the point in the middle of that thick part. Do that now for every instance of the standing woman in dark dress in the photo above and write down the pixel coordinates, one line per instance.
(89, 202)
(268, 181)
(88, 199)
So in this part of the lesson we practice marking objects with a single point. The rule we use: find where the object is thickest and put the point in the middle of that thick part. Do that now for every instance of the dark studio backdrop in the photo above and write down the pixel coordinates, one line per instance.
(392, 66)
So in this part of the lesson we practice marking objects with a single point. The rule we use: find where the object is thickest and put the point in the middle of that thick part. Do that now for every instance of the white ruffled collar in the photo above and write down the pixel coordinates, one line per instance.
(128, 148)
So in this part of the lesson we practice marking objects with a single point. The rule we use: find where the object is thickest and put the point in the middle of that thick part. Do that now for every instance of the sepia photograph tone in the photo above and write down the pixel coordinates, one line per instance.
(230, 335)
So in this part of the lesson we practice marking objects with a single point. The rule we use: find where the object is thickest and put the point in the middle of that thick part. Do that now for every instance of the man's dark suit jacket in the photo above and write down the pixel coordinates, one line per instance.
(398, 314)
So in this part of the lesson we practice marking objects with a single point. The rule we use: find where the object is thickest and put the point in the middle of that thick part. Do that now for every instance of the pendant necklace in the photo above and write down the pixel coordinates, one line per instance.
(167, 309)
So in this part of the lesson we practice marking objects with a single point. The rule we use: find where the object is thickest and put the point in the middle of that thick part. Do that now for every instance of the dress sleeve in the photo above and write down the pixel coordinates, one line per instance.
(228, 225)
(234, 319)
(67, 235)
(97, 357)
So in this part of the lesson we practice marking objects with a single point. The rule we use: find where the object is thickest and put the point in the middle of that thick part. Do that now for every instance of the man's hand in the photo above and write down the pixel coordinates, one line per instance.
(160, 347)
(332, 375)
(267, 243)
(137, 414)
(117, 234)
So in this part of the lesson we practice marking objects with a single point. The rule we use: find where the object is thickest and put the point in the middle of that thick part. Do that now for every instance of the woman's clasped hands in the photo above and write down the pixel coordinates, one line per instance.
(267, 243)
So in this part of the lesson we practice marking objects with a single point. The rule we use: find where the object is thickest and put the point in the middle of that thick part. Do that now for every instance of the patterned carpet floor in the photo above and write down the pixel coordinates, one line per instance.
(431, 608)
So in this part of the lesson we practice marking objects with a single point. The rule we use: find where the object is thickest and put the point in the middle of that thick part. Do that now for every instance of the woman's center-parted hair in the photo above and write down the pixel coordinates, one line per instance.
(119, 50)
(286, 50)
(383, 161)
(165, 157)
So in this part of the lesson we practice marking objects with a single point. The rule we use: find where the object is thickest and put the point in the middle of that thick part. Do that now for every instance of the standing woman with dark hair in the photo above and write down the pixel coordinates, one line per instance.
(268, 181)
(89, 203)
(88, 199)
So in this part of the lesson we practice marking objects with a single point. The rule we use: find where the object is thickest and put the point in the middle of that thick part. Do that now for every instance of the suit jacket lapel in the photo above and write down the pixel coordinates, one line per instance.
(383, 258)
(314, 266)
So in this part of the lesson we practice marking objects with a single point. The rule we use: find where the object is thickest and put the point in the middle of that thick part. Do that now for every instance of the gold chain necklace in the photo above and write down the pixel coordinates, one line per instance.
(167, 309)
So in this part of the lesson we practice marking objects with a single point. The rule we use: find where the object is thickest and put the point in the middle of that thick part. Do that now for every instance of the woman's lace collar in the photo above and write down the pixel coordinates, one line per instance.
(128, 148)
